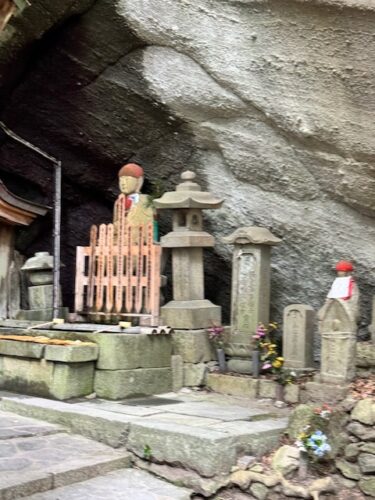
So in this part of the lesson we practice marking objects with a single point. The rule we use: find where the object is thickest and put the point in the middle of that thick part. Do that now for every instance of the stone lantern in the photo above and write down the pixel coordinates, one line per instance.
(189, 309)
(39, 271)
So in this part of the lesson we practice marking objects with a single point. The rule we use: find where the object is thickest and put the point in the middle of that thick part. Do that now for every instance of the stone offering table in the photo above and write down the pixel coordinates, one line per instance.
(57, 371)
(126, 364)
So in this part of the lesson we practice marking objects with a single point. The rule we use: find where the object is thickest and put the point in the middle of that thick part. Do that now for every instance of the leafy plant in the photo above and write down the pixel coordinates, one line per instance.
(147, 452)
(157, 191)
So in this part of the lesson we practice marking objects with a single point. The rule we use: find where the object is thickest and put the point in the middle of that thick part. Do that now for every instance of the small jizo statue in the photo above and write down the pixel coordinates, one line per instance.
(138, 209)
(345, 291)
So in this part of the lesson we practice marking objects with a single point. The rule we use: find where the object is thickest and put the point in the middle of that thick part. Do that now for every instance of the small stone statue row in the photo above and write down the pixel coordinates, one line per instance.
(337, 319)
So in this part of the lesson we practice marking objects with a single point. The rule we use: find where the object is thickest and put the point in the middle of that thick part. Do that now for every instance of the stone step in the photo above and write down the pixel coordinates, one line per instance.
(13, 426)
(198, 435)
(39, 463)
(123, 484)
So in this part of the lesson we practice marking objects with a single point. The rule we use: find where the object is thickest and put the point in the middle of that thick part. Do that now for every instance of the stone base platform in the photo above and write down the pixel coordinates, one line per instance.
(252, 388)
(202, 432)
(126, 364)
(318, 392)
(56, 371)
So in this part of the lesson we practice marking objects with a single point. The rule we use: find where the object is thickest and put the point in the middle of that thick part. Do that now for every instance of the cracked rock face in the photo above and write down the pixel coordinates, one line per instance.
(270, 102)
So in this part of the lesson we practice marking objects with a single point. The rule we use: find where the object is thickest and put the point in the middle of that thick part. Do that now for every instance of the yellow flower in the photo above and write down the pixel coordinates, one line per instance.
(277, 364)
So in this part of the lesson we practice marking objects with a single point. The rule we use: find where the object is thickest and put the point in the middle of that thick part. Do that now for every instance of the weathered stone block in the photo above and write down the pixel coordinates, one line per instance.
(193, 345)
(286, 459)
(72, 380)
(364, 412)
(366, 463)
(45, 378)
(349, 470)
(41, 314)
(365, 355)
(234, 386)
(71, 353)
(190, 314)
(239, 365)
(321, 393)
(298, 420)
(198, 449)
(367, 486)
(21, 349)
(267, 389)
(292, 393)
(121, 384)
(177, 366)
(194, 374)
(127, 352)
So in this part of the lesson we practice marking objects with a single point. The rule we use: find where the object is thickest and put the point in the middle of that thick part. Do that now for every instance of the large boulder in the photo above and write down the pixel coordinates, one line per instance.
(270, 102)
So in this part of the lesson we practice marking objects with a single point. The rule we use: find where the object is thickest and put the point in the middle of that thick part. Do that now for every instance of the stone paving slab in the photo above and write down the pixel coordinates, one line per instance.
(177, 418)
(210, 410)
(127, 484)
(106, 427)
(254, 438)
(198, 433)
(34, 464)
(137, 411)
(12, 426)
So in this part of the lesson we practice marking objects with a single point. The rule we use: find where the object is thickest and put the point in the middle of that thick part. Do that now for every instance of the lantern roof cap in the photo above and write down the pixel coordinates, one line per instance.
(188, 194)
(41, 260)
(252, 235)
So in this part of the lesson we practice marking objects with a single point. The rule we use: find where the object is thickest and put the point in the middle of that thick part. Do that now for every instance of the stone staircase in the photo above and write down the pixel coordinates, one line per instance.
(36, 457)
(201, 433)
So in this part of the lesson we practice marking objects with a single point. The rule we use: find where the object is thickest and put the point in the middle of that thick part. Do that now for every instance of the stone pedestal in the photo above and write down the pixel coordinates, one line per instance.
(298, 337)
(250, 291)
(189, 309)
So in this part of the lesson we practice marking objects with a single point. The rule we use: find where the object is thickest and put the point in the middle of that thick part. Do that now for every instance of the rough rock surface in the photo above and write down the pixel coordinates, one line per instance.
(271, 102)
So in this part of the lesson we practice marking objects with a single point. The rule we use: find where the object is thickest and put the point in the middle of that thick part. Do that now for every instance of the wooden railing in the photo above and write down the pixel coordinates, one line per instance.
(118, 275)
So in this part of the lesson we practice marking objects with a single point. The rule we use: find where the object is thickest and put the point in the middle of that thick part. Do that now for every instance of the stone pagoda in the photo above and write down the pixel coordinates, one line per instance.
(189, 309)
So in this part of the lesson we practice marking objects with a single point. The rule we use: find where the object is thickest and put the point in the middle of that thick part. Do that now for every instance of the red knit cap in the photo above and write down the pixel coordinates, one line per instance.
(131, 170)
(344, 266)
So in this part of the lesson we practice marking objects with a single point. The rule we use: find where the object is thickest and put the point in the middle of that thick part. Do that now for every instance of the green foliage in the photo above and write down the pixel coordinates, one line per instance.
(147, 452)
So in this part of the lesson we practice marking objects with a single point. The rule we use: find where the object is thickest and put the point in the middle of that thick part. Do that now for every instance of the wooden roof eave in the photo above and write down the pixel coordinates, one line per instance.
(16, 210)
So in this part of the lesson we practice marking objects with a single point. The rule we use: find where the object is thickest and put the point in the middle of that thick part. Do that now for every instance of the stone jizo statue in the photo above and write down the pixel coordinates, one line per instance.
(338, 320)
(345, 291)
(137, 206)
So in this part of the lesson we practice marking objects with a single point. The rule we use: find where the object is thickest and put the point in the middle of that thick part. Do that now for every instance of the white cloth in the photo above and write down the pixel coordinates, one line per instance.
(342, 288)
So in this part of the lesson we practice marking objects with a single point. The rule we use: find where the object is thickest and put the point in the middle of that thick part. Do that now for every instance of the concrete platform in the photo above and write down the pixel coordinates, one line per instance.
(36, 457)
(203, 432)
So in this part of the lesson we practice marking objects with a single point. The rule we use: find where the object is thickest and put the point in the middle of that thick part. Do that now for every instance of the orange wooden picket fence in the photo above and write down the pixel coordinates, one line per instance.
(118, 275)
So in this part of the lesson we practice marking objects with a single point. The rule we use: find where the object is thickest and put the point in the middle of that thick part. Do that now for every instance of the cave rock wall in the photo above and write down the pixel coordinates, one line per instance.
(270, 102)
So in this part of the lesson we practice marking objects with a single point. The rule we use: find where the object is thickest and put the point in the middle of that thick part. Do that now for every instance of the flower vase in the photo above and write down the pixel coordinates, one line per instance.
(255, 366)
(221, 360)
(303, 465)
(280, 392)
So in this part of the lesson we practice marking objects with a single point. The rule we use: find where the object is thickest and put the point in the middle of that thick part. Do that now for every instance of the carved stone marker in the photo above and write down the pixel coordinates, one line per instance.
(250, 291)
(338, 328)
(298, 336)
